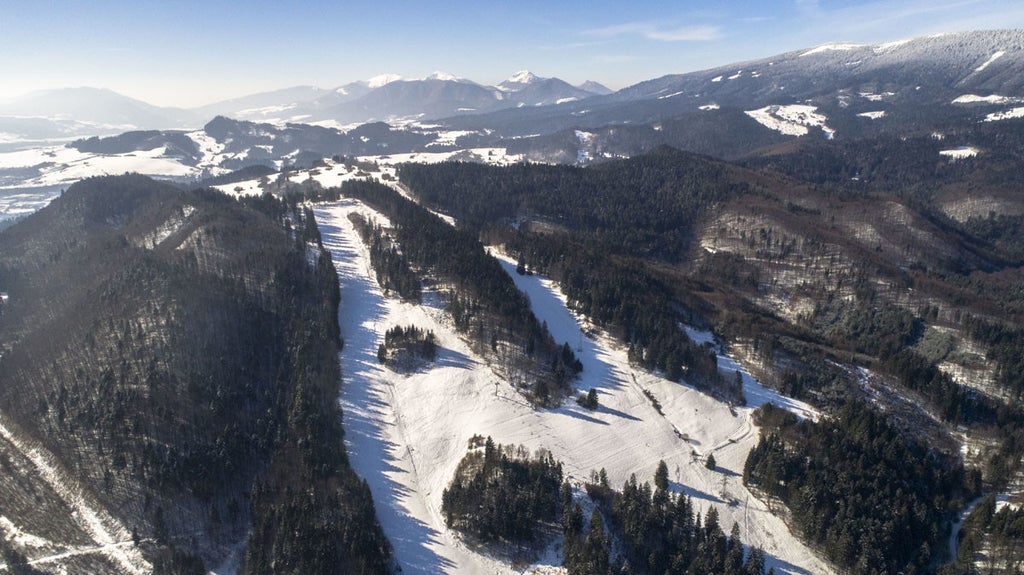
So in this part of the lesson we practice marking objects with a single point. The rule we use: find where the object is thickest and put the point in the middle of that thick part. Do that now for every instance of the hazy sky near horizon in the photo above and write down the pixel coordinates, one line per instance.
(188, 53)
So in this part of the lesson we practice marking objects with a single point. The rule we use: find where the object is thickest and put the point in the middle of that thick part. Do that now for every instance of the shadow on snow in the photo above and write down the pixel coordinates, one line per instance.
(366, 412)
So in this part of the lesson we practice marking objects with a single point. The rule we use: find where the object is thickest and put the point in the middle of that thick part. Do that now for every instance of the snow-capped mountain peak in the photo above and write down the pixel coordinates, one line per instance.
(444, 76)
(383, 79)
(521, 77)
(833, 47)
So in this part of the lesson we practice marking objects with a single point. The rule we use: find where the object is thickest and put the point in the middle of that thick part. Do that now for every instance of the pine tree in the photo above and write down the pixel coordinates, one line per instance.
(661, 476)
(734, 553)
(596, 548)
(755, 562)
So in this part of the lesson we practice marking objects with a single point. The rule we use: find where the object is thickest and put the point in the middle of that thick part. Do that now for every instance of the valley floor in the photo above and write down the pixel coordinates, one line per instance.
(406, 432)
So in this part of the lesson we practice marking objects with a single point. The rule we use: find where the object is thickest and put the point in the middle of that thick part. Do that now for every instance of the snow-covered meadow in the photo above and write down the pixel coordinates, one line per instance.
(792, 120)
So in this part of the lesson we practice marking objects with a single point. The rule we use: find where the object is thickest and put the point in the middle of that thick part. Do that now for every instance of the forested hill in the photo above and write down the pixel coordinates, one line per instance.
(168, 362)
(646, 205)
(901, 298)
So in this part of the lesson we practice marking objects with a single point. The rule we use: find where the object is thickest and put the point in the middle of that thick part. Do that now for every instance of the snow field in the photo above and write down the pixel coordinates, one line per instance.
(872, 115)
(791, 120)
(833, 47)
(399, 428)
(496, 156)
(960, 153)
(334, 174)
(991, 59)
(871, 97)
(1005, 115)
(406, 432)
(22, 202)
(975, 99)
(60, 165)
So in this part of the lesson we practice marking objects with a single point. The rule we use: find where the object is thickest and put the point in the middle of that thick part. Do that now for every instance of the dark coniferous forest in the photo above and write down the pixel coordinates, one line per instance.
(660, 532)
(855, 485)
(503, 493)
(178, 351)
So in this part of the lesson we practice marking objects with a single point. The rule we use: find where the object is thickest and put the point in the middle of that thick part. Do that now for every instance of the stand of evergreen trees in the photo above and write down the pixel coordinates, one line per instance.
(178, 374)
(409, 341)
(501, 493)
(873, 499)
(484, 302)
(990, 541)
(604, 219)
(643, 206)
(660, 532)
(394, 274)
(1006, 348)
(311, 512)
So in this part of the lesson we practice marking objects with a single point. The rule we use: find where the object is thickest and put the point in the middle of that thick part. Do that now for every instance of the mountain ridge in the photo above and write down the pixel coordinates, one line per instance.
(149, 355)
(955, 86)
(105, 111)
(980, 66)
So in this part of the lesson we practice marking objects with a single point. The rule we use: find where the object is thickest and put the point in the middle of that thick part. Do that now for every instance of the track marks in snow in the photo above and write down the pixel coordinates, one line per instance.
(112, 537)
(376, 434)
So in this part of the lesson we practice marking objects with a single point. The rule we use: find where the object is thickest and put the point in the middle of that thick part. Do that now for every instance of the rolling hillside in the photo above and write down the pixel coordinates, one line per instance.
(165, 356)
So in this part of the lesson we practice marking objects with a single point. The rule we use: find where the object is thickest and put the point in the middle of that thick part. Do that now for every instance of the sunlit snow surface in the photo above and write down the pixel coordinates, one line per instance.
(406, 432)
(837, 47)
(1007, 115)
(873, 115)
(60, 165)
(988, 62)
(383, 80)
(792, 120)
(960, 153)
(31, 178)
(876, 97)
(976, 99)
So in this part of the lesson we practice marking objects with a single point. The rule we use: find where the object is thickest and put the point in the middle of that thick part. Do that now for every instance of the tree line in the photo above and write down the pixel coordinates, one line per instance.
(872, 498)
(482, 298)
(393, 270)
(644, 206)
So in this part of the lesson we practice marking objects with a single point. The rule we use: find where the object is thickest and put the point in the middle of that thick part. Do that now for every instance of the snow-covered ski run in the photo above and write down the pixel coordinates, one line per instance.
(405, 433)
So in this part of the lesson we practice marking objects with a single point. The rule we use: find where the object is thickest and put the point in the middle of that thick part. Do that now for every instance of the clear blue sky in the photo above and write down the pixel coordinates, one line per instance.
(189, 53)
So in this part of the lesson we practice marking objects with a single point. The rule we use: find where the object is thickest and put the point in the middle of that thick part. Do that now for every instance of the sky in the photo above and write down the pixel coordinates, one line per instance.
(188, 53)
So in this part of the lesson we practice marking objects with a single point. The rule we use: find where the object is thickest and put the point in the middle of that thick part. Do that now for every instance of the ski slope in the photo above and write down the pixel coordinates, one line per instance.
(406, 433)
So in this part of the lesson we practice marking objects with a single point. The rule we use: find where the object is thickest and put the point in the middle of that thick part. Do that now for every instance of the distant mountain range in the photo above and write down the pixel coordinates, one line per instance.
(71, 112)
(960, 87)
